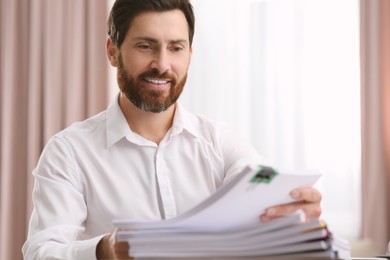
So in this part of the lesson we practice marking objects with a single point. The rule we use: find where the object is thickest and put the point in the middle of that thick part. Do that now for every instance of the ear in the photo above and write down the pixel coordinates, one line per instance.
(112, 52)
(189, 61)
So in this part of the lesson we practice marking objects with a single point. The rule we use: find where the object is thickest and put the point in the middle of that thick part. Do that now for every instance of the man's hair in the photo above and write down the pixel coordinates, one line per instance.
(124, 11)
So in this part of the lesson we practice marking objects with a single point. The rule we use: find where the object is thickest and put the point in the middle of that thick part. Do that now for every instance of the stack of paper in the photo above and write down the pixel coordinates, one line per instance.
(227, 224)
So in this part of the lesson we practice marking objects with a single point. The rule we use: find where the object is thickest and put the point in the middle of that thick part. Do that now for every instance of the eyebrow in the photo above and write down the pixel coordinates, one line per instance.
(153, 40)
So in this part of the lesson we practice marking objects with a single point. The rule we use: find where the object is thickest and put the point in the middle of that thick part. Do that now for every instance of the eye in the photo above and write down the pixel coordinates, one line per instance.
(144, 47)
(177, 48)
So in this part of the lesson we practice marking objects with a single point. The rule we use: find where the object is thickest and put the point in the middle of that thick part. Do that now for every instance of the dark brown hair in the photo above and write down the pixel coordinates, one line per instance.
(124, 11)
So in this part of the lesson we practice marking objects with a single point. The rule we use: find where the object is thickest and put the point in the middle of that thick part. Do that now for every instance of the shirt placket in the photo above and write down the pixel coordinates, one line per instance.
(166, 193)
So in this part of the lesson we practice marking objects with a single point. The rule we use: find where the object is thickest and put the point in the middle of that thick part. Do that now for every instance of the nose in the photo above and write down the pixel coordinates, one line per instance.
(161, 61)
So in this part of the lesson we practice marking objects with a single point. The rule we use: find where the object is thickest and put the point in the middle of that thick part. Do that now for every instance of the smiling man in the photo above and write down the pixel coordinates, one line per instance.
(158, 60)
(145, 157)
(152, 63)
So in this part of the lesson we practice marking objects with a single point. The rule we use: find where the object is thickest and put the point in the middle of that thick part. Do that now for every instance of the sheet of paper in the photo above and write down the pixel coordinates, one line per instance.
(235, 205)
(227, 223)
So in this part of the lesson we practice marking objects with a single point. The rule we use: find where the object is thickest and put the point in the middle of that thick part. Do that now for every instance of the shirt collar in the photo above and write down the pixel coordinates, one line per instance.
(183, 120)
(117, 126)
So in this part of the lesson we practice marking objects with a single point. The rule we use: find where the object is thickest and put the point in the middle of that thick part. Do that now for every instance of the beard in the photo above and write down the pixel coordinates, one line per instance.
(146, 99)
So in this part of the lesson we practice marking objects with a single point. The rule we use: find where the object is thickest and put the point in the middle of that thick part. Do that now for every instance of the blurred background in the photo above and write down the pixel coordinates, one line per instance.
(305, 81)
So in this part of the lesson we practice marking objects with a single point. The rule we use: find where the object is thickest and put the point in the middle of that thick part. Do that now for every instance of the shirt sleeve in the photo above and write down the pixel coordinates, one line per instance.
(237, 152)
(60, 211)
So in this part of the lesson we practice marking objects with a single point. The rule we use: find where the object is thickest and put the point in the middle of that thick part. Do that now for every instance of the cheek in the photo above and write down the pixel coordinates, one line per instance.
(135, 64)
(182, 69)
(135, 68)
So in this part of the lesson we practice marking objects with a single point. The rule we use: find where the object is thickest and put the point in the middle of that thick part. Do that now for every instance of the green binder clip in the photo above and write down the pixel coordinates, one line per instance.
(265, 174)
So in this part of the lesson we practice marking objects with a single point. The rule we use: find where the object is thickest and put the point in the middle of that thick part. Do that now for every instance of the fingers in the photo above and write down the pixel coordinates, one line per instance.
(112, 238)
(280, 211)
(312, 210)
(122, 250)
(308, 194)
(309, 201)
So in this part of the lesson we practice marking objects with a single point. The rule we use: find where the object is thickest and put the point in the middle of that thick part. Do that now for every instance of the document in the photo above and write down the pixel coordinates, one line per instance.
(243, 200)
(227, 223)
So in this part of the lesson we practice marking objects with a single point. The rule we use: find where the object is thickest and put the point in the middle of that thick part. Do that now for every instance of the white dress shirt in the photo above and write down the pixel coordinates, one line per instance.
(99, 170)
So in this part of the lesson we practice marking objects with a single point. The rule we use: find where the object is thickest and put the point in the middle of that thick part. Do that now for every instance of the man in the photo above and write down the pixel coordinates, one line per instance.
(145, 157)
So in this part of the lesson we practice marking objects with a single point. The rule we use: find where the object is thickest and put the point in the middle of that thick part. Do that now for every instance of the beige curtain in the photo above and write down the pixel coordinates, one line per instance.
(53, 72)
(375, 57)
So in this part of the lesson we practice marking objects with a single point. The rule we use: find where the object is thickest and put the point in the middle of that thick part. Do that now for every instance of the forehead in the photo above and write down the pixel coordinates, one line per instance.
(168, 25)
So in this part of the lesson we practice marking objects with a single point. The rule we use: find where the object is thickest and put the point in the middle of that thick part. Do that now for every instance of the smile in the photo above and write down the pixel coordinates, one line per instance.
(156, 81)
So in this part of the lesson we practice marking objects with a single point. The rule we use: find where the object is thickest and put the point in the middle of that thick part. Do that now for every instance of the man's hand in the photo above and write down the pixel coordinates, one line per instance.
(309, 201)
(109, 248)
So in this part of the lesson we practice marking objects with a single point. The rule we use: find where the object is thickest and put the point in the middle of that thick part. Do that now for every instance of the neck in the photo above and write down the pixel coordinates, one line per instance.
(152, 126)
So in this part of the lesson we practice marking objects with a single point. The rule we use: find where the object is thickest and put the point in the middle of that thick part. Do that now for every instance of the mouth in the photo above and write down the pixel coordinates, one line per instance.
(157, 83)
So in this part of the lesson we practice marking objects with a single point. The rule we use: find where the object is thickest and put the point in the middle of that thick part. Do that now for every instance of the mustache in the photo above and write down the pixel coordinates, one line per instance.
(155, 73)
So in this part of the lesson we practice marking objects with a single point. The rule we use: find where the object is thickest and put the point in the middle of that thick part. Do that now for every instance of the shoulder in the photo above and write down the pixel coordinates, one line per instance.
(206, 129)
(79, 134)
(61, 148)
(87, 128)
(199, 125)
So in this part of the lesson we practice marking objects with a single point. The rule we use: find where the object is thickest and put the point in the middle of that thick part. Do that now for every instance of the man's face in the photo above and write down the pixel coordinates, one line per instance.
(154, 59)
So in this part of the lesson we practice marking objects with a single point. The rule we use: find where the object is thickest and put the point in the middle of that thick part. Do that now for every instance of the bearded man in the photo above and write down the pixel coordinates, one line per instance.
(145, 157)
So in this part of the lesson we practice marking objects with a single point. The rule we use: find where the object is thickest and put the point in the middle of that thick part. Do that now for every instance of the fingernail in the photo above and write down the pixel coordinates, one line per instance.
(271, 212)
(294, 194)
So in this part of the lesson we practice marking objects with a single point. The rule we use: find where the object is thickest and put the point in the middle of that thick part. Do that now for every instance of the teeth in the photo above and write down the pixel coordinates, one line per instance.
(157, 81)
